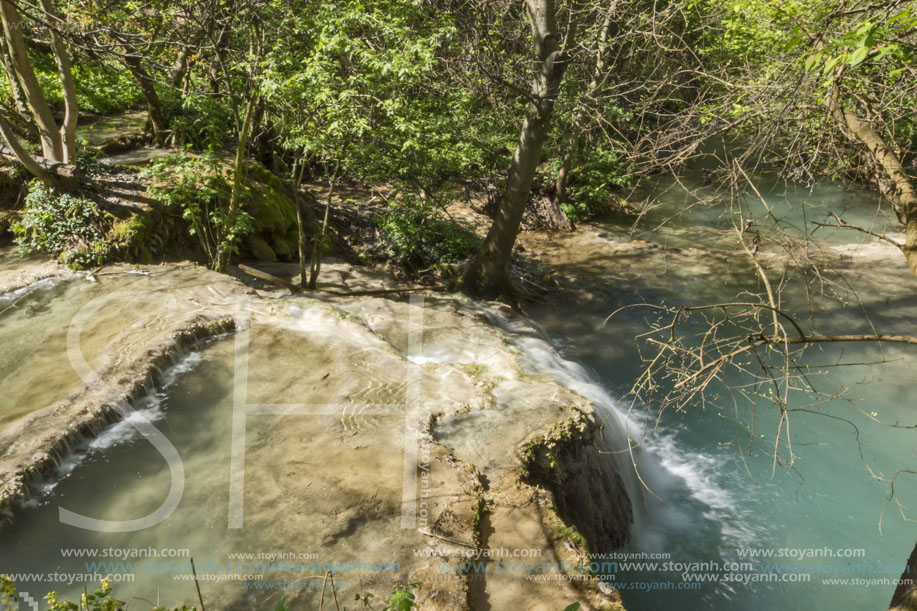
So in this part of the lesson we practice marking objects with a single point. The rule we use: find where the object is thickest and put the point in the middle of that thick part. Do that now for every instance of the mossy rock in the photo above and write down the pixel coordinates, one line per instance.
(271, 210)
(282, 249)
(261, 249)
(292, 240)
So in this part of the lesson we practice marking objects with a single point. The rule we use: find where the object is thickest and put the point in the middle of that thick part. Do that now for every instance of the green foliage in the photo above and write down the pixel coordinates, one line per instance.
(572, 607)
(199, 187)
(363, 92)
(100, 88)
(570, 534)
(749, 31)
(63, 225)
(403, 598)
(597, 174)
(201, 121)
(875, 45)
(282, 605)
(9, 600)
(100, 600)
(417, 234)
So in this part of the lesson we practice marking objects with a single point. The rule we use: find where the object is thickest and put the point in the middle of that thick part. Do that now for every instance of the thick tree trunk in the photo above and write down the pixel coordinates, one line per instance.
(18, 95)
(861, 131)
(51, 144)
(487, 274)
(905, 596)
(15, 152)
(71, 110)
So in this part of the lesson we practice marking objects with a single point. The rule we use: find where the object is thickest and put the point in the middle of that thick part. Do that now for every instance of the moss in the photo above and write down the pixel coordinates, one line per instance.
(271, 210)
(261, 249)
(131, 238)
(292, 240)
(563, 532)
(481, 509)
(280, 246)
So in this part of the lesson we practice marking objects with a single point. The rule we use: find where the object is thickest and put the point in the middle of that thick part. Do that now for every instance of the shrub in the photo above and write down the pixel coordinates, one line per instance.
(198, 187)
(66, 226)
(200, 121)
(595, 177)
(416, 234)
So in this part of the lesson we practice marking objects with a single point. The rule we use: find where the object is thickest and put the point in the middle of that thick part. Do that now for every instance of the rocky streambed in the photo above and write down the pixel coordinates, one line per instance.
(390, 439)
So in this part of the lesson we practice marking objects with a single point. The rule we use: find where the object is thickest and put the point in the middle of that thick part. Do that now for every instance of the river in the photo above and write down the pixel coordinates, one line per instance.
(711, 499)
(715, 494)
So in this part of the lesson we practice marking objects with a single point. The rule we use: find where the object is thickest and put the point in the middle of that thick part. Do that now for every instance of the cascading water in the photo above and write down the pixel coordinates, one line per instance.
(148, 408)
(655, 470)
(735, 533)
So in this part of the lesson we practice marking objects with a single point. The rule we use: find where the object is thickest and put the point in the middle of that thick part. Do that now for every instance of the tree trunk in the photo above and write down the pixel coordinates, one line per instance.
(148, 90)
(905, 596)
(71, 110)
(51, 144)
(319, 241)
(235, 197)
(15, 151)
(304, 220)
(303, 216)
(6, 62)
(861, 131)
(487, 274)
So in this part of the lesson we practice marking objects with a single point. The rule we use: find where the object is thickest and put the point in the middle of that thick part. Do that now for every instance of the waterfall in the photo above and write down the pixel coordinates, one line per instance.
(657, 474)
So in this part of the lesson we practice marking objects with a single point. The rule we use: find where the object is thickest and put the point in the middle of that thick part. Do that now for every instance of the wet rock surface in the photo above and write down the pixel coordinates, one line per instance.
(376, 430)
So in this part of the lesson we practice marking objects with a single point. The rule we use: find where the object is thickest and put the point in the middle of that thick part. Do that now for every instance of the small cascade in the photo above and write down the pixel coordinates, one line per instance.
(100, 434)
(107, 427)
(45, 284)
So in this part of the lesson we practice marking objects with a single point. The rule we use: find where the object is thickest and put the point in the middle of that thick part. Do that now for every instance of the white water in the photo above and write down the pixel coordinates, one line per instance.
(149, 408)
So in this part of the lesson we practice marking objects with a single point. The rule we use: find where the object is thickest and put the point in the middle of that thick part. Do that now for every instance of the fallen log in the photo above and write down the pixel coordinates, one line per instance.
(257, 273)
(55, 168)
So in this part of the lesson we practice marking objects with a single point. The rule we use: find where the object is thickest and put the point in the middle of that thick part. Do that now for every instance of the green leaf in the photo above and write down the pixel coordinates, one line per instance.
(858, 56)
(573, 607)
(811, 61)
(832, 63)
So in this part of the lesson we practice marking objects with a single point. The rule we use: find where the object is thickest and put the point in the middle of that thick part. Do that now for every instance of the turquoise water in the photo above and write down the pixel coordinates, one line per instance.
(715, 492)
